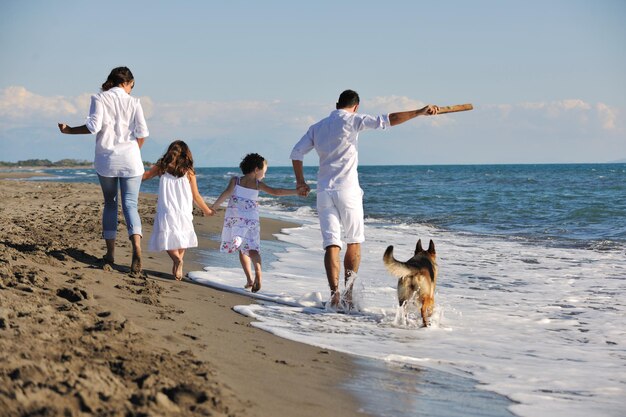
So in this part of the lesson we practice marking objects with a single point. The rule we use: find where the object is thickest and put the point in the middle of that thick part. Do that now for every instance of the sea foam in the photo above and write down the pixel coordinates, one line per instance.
(540, 325)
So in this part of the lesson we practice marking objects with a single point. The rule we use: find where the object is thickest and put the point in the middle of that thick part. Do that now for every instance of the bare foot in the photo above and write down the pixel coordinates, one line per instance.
(135, 265)
(257, 285)
(248, 285)
(335, 299)
(178, 270)
(107, 263)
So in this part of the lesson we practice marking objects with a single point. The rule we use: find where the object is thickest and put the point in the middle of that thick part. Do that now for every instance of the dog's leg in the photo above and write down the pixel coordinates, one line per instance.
(428, 303)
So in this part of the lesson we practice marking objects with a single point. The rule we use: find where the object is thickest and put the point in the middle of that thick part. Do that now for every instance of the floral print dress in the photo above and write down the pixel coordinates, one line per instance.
(241, 229)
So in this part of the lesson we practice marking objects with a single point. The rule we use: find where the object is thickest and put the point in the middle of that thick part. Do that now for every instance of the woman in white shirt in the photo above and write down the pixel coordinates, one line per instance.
(118, 122)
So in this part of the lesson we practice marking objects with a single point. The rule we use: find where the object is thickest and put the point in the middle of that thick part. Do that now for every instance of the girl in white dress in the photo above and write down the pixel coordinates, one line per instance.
(173, 224)
(242, 231)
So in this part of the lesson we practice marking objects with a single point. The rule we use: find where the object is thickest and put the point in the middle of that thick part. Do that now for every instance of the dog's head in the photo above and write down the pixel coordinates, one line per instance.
(422, 259)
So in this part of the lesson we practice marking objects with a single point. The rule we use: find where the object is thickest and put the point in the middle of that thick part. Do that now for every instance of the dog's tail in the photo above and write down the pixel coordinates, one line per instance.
(396, 268)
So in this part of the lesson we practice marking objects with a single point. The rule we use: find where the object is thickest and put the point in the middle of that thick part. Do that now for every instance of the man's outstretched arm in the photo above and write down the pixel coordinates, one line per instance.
(403, 116)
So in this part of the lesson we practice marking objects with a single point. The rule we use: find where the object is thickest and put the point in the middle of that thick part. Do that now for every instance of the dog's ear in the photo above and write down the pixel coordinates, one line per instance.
(418, 247)
(431, 247)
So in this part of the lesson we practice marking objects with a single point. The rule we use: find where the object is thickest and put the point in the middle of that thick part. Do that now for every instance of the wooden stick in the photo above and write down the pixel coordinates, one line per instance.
(455, 108)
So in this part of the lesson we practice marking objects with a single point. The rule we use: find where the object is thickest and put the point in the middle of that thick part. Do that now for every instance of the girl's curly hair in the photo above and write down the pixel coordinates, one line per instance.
(250, 162)
(177, 160)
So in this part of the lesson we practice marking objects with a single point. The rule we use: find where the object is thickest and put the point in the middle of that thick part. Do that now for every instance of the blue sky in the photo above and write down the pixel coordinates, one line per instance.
(547, 78)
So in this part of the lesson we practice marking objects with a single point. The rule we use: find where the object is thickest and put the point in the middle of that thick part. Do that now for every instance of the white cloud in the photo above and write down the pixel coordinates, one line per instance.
(17, 103)
(550, 130)
(607, 115)
(148, 106)
(556, 106)
(392, 104)
(560, 114)
(573, 104)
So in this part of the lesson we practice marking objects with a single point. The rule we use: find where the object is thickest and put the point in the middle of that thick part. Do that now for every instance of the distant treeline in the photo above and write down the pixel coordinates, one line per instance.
(45, 163)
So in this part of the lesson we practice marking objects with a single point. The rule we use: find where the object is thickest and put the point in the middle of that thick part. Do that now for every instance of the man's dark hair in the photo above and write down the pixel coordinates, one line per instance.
(348, 98)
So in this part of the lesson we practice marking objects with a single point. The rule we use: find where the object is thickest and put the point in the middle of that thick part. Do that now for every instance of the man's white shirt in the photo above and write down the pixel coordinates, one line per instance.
(335, 139)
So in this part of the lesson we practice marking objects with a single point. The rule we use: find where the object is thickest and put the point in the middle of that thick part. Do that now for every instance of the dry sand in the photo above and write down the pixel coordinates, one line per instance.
(76, 339)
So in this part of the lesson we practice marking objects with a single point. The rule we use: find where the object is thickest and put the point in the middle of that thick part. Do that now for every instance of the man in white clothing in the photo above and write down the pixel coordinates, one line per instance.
(339, 195)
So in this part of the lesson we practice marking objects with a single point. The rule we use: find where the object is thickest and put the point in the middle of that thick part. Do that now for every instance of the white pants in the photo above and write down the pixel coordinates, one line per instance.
(341, 210)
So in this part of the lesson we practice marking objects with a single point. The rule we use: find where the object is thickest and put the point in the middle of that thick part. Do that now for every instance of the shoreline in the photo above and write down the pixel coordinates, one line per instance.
(21, 175)
(26, 168)
(77, 338)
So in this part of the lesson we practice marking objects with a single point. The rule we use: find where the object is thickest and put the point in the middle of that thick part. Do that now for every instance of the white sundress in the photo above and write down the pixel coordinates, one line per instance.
(173, 223)
(241, 229)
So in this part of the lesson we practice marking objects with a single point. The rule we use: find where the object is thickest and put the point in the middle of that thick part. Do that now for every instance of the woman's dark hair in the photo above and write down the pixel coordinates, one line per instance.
(348, 98)
(250, 162)
(177, 160)
(119, 75)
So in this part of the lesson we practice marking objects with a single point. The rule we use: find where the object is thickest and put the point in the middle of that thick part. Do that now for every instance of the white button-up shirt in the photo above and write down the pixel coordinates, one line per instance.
(117, 120)
(335, 139)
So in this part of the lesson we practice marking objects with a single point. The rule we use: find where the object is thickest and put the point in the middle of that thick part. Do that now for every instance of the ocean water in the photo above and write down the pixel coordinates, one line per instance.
(531, 296)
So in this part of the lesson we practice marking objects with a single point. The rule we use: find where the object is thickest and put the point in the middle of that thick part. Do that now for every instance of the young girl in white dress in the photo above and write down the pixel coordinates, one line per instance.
(173, 224)
(241, 230)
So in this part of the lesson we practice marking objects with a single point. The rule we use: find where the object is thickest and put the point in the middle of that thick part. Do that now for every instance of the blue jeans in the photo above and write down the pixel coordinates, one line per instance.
(129, 190)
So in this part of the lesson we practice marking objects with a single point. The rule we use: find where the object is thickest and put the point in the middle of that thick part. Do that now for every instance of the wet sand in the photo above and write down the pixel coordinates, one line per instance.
(76, 339)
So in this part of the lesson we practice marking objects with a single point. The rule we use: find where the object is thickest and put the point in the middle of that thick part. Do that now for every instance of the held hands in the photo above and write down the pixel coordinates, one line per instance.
(303, 189)
(208, 212)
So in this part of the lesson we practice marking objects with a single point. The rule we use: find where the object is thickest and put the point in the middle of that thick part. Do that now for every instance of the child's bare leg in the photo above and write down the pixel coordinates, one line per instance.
(179, 272)
(245, 264)
(256, 260)
(177, 263)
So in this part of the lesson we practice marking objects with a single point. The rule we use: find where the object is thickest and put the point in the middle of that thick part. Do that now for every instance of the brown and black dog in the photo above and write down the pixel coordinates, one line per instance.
(416, 276)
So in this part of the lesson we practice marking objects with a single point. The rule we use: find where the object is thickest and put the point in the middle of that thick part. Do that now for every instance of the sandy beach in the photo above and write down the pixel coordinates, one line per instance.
(76, 339)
